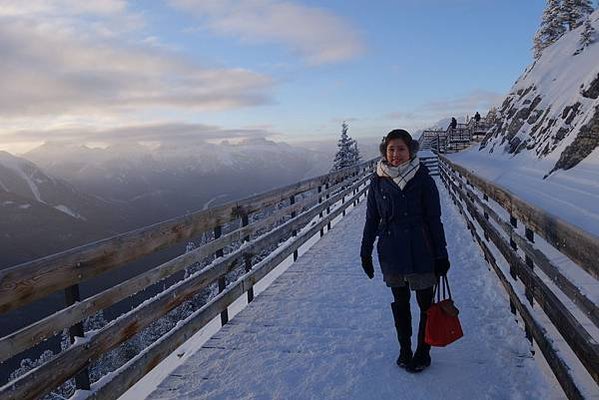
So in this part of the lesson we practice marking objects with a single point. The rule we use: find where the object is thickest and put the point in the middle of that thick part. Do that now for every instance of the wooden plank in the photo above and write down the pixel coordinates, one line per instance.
(139, 366)
(25, 283)
(74, 359)
(580, 246)
(579, 340)
(556, 363)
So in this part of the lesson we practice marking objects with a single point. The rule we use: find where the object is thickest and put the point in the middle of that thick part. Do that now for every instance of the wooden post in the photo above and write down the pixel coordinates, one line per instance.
(321, 214)
(222, 283)
(513, 245)
(294, 233)
(528, 335)
(486, 214)
(530, 264)
(72, 296)
(247, 259)
(328, 208)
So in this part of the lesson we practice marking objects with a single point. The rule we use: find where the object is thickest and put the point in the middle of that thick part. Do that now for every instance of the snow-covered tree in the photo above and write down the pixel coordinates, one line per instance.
(551, 28)
(347, 154)
(587, 36)
(356, 153)
(574, 12)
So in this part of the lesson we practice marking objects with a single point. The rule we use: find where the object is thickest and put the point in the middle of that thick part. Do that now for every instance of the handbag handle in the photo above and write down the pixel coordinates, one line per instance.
(444, 283)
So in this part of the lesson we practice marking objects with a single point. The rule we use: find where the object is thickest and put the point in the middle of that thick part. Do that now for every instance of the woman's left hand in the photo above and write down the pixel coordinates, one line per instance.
(441, 266)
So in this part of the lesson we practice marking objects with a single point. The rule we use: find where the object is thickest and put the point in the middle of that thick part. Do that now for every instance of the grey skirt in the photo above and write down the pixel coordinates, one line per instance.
(414, 281)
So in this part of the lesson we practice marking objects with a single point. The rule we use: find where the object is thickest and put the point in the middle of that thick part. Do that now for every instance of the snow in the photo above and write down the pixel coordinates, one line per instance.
(573, 195)
(323, 330)
(68, 211)
(25, 206)
(16, 165)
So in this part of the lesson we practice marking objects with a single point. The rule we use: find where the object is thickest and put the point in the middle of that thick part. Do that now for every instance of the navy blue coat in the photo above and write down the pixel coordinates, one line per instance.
(407, 223)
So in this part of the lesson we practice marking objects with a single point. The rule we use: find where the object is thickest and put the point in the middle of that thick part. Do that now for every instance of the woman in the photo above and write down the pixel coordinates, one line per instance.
(403, 210)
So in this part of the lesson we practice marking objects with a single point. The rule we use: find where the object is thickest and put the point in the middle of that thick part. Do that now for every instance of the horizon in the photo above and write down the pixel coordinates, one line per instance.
(187, 70)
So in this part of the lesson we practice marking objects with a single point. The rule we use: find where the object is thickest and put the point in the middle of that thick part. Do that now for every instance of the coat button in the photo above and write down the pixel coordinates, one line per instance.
(406, 214)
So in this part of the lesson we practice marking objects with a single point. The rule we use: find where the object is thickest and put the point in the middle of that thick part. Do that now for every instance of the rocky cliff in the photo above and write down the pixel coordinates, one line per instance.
(552, 111)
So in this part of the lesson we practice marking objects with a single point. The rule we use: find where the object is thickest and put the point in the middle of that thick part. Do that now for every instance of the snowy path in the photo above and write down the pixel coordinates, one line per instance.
(322, 330)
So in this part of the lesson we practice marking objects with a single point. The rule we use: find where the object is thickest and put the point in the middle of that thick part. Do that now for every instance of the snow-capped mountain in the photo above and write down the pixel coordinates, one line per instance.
(552, 111)
(23, 178)
(41, 214)
(172, 179)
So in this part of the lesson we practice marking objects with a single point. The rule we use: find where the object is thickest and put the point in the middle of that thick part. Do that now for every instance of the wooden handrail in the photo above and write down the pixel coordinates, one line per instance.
(136, 368)
(27, 282)
(77, 357)
(584, 347)
(580, 246)
(30, 335)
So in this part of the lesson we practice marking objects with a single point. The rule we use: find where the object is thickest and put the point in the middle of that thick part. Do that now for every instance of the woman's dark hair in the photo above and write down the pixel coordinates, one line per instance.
(403, 135)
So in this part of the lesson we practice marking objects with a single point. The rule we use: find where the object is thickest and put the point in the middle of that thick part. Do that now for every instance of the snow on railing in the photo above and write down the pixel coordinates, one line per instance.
(297, 212)
(566, 309)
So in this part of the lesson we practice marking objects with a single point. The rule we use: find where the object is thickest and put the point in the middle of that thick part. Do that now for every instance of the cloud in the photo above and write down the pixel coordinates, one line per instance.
(317, 35)
(468, 104)
(46, 69)
(429, 113)
(169, 132)
(73, 7)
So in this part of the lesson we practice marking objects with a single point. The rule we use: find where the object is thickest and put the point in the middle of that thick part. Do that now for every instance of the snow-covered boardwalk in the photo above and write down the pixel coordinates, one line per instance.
(322, 330)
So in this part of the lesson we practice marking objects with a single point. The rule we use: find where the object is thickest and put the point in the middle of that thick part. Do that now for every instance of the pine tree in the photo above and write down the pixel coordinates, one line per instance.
(574, 12)
(588, 34)
(356, 153)
(551, 28)
(348, 153)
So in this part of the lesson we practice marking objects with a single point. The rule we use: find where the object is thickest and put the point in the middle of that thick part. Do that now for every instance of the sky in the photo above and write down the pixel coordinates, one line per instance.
(183, 71)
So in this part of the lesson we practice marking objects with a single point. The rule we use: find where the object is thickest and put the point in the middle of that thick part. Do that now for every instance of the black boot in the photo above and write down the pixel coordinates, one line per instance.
(403, 325)
(422, 358)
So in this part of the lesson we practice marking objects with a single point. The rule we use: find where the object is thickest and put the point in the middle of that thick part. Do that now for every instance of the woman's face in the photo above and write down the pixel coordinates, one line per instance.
(397, 152)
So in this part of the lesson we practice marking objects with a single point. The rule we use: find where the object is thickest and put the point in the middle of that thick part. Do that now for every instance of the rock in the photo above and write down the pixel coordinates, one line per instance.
(584, 144)
(593, 90)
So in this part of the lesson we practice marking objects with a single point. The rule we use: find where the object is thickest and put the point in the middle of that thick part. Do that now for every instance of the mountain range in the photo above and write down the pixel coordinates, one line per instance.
(60, 195)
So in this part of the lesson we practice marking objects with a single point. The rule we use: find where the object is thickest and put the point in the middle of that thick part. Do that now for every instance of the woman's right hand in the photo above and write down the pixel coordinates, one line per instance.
(367, 266)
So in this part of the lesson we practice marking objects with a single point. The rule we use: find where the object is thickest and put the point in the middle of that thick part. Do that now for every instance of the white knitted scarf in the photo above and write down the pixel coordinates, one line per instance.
(401, 174)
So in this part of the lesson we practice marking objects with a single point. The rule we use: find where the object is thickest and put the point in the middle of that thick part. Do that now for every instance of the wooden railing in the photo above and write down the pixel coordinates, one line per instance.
(309, 207)
(569, 310)
(448, 140)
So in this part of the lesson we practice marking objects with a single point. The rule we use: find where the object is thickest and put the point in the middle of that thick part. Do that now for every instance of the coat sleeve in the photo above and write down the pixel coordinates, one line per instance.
(372, 223)
(432, 215)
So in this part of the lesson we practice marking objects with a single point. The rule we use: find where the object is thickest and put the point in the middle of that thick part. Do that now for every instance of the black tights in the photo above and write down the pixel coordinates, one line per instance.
(401, 295)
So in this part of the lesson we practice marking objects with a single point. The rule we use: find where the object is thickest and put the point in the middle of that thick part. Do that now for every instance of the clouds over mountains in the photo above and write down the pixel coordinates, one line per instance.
(69, 65)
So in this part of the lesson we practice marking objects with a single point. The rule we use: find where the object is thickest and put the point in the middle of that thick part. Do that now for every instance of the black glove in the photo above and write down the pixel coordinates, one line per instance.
(441, 266)
(367, 266)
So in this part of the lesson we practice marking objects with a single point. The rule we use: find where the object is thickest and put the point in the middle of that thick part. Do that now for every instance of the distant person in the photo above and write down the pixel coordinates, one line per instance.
(404, 211)
(477, 117)
(454, 123)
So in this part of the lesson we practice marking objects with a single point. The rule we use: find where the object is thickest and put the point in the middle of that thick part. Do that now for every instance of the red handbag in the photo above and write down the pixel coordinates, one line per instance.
(442, 322)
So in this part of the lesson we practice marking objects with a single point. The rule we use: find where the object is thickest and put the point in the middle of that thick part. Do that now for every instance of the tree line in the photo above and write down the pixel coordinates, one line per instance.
(561, 16)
